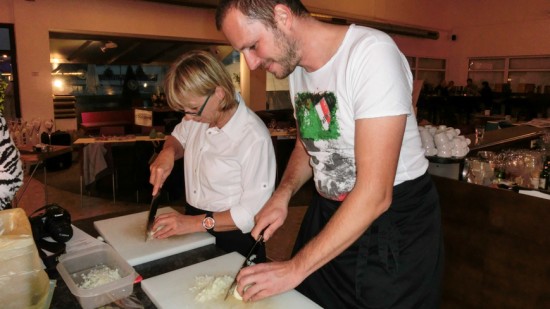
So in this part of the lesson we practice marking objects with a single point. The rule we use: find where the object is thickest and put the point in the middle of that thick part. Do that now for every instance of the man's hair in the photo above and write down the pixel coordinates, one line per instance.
(261, 10)
(198, 73)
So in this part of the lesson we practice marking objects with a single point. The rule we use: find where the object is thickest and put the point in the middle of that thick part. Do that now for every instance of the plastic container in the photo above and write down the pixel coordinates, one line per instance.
(23, 281)
(73, 264)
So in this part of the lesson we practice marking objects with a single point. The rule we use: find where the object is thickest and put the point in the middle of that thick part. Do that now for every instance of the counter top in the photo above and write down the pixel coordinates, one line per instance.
(504, 137)
(118, 139)
(62, 297)
(157, 109)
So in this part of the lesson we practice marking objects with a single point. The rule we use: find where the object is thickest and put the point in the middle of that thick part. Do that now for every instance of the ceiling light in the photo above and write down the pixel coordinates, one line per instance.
(108, 45)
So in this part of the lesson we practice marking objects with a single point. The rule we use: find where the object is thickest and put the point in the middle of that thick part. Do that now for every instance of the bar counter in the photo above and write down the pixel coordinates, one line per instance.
(520, 136)
(63, 298)
(497, 247)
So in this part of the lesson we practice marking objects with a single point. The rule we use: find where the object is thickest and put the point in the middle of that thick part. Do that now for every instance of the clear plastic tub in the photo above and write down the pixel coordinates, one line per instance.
(23, 281)
(71, 267)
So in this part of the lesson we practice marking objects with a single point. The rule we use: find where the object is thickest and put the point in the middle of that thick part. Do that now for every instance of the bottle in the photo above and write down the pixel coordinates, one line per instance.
(543, 178)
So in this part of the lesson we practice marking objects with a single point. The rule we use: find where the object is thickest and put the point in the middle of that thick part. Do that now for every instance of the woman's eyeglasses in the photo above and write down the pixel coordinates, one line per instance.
(200, 109)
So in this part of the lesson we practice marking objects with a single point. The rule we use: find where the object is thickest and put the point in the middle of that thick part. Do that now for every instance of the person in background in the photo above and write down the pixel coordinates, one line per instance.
(442, 89)
(11, 169)
(371, 237)
(487, 96)
(451, 89)
(470, 89)
(229, 160)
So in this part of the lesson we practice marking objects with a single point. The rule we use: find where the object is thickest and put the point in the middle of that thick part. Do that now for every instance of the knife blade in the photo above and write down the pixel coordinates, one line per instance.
(260, 239)
(151, 216)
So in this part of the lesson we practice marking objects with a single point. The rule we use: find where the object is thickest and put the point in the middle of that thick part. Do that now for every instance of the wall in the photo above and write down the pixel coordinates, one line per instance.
(421, 14)
(483, 28)
(497, 28)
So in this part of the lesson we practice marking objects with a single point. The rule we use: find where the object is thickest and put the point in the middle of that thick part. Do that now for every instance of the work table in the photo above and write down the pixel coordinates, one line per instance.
(63, 298)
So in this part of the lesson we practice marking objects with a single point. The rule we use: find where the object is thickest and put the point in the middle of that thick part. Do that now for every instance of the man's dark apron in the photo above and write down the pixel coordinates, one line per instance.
(396, 263)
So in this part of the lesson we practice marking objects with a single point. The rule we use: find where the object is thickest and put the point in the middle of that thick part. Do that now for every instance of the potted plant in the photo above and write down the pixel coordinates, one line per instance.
(3, 87)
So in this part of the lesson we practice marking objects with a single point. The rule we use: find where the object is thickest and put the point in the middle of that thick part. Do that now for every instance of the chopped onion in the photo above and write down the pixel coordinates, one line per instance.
(208, 288)
(98, 276)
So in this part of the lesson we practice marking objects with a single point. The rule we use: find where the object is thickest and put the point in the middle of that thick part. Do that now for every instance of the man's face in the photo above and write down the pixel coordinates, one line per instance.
(261, 46)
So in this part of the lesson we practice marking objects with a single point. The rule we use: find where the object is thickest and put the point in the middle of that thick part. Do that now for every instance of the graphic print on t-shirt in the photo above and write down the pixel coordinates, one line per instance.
(316, 115)
(332, 161)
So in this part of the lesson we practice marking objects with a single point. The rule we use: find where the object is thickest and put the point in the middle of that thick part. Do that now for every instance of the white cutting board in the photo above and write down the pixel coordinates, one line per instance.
(127, 235)
(172, 289)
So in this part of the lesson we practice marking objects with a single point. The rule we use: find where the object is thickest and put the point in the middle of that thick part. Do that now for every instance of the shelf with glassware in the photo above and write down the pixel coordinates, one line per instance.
(452, 165)
(512, 162)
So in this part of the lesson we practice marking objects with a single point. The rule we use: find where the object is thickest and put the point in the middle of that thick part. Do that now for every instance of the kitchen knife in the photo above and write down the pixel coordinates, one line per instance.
(245, 263)
(152, 213)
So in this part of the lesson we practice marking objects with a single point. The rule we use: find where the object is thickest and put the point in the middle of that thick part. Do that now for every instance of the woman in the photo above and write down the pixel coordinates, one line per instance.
(229, 162)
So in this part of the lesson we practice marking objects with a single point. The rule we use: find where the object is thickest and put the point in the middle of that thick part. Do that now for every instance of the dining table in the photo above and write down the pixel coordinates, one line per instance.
(33, 156)
(92, 159)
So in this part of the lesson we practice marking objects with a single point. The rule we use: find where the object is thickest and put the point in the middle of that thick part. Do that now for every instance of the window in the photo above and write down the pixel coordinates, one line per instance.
(431, 70)
(9, 105)
(523, 74)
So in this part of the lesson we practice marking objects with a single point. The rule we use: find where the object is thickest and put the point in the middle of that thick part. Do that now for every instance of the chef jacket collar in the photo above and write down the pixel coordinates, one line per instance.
(233, 128)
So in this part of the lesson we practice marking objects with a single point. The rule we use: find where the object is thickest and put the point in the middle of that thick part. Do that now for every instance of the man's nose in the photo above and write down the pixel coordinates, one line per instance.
(252, 60)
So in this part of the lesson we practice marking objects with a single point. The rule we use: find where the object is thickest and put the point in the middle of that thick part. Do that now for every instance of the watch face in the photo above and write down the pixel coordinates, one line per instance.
(208, 223)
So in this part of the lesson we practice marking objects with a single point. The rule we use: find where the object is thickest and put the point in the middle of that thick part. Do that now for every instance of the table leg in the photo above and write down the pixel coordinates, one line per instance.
(45, 185)
(26, 184)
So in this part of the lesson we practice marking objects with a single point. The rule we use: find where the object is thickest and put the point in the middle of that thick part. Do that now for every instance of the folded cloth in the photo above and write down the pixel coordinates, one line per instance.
(535, 193)
(94, 162)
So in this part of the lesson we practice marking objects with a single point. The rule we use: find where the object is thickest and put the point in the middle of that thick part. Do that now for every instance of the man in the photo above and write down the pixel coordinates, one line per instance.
(470, 88)
(371, 238)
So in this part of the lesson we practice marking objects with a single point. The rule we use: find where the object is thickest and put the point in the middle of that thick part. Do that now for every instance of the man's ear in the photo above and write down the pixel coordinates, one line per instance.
(283, 15)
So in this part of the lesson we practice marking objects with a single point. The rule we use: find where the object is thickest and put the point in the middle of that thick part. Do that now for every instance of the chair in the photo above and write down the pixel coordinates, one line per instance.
(97, 162)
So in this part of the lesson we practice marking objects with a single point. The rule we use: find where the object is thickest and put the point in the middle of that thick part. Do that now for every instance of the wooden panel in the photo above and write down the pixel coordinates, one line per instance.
(497, 247)
(64, 107)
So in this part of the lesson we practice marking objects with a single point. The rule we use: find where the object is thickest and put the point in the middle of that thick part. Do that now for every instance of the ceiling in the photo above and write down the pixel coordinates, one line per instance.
(112, 50)
(90, 49)
(195, 3)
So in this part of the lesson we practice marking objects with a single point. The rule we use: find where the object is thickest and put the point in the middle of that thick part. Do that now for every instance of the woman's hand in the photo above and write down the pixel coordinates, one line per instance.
(160, 170)
(174, 223)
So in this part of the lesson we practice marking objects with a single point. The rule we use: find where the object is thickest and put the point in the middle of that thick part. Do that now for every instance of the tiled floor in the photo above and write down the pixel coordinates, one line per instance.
(278, 248)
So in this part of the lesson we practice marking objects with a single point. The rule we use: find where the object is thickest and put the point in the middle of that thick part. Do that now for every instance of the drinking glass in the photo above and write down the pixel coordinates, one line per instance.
(48, 124)
(36, 124)
(480, 132)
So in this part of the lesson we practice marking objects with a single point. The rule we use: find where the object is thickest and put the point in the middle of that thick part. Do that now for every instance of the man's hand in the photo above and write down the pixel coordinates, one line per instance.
(268, 279)
(272, 216)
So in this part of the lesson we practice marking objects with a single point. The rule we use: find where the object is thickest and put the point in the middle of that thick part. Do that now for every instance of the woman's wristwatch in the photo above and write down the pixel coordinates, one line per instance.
(208, 222)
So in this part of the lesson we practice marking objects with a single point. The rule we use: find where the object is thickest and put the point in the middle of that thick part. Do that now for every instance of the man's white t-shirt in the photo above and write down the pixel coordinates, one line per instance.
(368, 77)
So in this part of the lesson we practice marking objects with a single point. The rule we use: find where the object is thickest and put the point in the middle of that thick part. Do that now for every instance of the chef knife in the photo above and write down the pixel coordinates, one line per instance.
(245, 263)
(152, 213)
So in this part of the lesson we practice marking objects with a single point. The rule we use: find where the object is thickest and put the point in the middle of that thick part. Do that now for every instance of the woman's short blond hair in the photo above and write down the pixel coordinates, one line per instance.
(198, 73)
